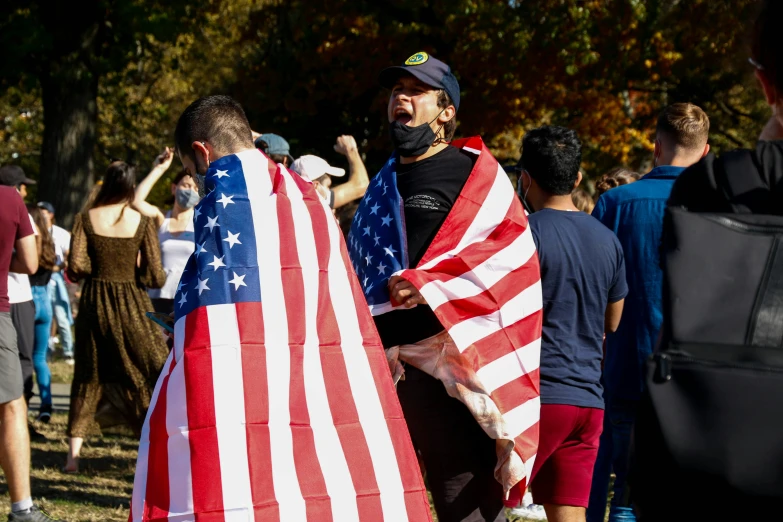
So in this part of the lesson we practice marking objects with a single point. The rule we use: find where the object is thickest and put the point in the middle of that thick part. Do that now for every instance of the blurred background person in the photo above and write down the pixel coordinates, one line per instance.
(583, 200)
(175, 228)
(274, 146)
(119, 352)
(58, 286)
(39, 285)
(614, 178)
(320, 173)
(20, 295)
(635, 212)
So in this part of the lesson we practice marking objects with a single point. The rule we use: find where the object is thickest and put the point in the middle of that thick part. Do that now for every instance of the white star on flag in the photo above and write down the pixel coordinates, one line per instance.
(184, 299)
(232, 239)
(239, 280)
(196, 214)
(390, 250)
(211, 223)
(202, 285)
(180, 285)
(374, 209)
(366, 230)
(221, 174)
(217, 262)
(382, 268)
(225, 200)
(359, 221)
(200, 249)
(368, 258)
(376, 239)
(386, 220)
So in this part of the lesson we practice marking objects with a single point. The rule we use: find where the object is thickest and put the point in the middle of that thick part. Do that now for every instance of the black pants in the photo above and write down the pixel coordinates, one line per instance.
(23, 317)
(458, 456)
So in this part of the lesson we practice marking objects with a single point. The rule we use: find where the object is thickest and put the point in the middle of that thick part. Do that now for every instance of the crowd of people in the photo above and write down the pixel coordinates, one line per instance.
(605, 259)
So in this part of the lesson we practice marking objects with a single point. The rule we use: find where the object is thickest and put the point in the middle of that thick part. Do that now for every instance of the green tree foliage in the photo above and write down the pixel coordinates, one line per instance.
(112, 83)
(603, 68)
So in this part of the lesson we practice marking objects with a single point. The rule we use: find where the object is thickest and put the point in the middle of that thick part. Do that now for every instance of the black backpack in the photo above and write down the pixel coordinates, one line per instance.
(710, 425)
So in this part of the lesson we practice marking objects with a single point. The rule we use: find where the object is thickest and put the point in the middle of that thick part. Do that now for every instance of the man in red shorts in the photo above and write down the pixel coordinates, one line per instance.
(583, 286)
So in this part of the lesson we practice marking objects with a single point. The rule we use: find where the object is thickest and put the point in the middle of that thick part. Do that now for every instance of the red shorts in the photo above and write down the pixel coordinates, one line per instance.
(567, 448)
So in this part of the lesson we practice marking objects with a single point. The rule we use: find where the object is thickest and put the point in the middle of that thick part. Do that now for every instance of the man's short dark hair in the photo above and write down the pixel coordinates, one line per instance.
(685, 124)
(219, 120)
(552, 156)
(450, 127)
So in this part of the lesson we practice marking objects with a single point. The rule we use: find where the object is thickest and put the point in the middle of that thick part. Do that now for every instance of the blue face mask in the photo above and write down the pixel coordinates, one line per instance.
(186, 198)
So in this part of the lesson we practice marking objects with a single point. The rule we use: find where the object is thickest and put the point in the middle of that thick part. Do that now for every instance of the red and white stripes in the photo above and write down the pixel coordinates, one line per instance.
(481, 277)
(282, 409)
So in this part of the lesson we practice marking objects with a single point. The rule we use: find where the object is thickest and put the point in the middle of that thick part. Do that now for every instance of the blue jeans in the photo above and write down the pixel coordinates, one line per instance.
(58, 293)
(43, 325)
(613, 454)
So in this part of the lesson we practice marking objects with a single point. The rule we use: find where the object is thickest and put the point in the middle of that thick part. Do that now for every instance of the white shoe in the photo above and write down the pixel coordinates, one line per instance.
(529, 512)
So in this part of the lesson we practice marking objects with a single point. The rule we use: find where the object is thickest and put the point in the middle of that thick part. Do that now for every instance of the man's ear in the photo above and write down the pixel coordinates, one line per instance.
(706, 150)
(447, 115)
(579, 178)
(657, 149)
(204, 150)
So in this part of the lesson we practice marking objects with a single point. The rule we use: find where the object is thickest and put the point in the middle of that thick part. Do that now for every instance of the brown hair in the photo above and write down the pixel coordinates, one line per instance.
(582, 200)
(767, 46)
(614, 178)
(685, 124)
(180, 176)
(450, 127)
(47, 257)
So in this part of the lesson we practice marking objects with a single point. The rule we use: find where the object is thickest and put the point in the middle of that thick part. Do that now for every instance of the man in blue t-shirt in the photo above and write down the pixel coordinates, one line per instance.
(634, 213)
(583, 285)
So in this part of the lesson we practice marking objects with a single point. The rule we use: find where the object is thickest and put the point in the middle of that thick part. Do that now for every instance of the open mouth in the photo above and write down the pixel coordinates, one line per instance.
(402, 116)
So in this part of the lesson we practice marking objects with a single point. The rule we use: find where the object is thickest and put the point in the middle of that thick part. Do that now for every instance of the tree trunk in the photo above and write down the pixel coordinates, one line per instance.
(70, 119)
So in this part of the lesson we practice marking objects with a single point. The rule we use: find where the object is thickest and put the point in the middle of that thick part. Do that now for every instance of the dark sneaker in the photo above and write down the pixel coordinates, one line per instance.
(44, 414)
(34, 515)
(34, 434)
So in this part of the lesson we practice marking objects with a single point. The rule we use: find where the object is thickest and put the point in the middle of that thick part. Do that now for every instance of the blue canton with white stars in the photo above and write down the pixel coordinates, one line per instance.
(377, 244)
(224, 267)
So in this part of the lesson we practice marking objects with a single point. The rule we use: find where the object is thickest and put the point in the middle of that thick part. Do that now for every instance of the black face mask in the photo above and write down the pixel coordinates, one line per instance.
(412, 141)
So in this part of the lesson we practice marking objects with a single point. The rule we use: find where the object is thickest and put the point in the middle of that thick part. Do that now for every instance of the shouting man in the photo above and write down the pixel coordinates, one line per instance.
(441, 247)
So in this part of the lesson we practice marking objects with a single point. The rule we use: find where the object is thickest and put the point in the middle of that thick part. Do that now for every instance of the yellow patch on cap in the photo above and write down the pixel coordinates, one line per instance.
(417, 59)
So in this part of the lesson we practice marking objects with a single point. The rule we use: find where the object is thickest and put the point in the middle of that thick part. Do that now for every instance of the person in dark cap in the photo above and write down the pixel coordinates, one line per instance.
(14, 176)
(458, 456)
(20, 294)
(276, 147)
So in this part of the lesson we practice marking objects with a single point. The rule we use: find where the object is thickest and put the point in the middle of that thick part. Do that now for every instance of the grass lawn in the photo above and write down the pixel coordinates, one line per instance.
(101, 492)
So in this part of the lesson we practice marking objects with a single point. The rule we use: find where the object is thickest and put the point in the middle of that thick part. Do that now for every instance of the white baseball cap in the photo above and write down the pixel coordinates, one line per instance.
(312, 167)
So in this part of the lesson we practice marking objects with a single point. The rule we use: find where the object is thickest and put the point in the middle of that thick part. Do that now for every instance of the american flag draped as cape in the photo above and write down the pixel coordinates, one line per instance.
(276, 403)
(481, 277)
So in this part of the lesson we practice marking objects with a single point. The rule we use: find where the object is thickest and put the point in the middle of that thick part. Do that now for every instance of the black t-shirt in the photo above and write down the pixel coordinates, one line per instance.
(428, 189)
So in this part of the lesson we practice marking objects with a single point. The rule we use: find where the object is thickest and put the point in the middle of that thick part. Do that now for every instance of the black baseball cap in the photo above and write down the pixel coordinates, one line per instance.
(13, 176)
(46, 206)
(429, 70)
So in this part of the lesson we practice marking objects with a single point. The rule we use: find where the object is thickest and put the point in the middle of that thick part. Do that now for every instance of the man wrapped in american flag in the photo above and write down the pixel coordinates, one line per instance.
(448, 265)
(276, 402)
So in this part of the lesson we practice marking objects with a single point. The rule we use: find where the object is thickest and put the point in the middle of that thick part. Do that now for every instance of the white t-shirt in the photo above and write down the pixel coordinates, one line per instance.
(62, 242)
(19, 284)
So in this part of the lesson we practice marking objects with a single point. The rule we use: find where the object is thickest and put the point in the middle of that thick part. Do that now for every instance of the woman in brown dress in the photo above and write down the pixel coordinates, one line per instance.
(118, 351)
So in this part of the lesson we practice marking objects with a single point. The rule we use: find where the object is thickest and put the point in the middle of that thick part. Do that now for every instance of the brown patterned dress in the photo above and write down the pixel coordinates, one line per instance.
(118, 351)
